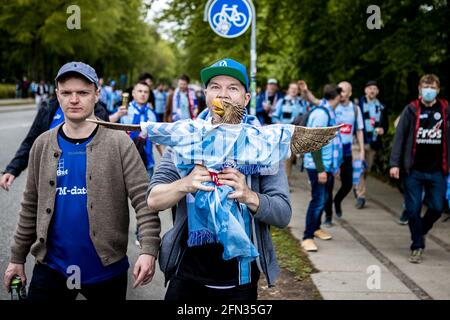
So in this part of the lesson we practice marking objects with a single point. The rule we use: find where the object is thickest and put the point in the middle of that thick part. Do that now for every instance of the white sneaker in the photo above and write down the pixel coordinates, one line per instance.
(309, 245)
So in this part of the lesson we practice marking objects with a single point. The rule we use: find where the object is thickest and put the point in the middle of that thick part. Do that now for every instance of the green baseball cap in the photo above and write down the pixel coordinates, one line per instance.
(225, 67)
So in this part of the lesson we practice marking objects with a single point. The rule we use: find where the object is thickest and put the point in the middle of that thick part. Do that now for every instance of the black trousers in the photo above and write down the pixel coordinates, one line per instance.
(346, 174)
(185, 290)
(49, 284)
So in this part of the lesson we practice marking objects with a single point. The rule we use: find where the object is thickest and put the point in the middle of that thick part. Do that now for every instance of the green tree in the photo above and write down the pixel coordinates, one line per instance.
(113, 37)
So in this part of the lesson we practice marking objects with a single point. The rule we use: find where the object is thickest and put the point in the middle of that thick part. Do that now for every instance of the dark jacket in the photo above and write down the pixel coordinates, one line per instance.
(41, 123)
(403, 148)
(383, 123)
(261, 114)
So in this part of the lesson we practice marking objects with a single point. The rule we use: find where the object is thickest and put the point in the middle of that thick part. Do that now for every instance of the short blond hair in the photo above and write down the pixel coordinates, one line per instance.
(430, 79)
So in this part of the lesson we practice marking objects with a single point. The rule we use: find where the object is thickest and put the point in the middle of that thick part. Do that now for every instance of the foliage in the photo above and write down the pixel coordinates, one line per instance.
(325, 41)
(7, 91)
(113, 37)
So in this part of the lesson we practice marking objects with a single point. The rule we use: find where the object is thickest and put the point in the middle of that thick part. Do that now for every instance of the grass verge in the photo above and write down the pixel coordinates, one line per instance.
(289, 254)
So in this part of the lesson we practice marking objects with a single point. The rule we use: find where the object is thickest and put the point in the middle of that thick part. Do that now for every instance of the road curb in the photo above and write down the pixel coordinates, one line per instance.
(13, 102)
(18, 109)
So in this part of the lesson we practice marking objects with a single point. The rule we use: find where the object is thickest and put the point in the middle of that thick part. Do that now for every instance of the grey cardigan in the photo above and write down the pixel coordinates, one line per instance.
(274, 209)
(114, 173)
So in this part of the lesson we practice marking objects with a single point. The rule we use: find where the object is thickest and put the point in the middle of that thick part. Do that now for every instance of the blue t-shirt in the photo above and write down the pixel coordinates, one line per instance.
(184, 105)
(58, 118)
(160, 101)
(69, 241)
(345, 115)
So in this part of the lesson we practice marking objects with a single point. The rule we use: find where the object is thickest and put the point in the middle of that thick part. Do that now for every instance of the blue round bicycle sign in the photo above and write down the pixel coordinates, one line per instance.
(229, 18)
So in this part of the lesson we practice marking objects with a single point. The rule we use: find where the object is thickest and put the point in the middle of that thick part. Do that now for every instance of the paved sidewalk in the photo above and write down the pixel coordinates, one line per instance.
(370, 240)
(12, 102)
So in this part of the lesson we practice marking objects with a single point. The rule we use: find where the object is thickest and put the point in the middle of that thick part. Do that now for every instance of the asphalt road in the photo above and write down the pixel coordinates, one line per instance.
(14, 126)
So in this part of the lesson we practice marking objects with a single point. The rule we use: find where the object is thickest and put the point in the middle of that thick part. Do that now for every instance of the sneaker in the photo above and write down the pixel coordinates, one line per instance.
(416, 256)
(328, 223)
(360, 202)
(403, 219)
(338, 209)
(309, 245)
(322, 235)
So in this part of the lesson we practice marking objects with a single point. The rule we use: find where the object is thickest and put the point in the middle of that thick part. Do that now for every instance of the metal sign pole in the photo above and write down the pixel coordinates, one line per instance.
(253, 61)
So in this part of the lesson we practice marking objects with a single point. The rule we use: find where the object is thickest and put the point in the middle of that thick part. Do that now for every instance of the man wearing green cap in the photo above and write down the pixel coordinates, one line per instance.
(199, 272)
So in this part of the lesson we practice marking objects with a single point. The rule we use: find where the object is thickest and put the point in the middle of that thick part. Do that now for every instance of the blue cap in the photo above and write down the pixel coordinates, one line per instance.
(112, 83)
(225, 67)
(79, 67)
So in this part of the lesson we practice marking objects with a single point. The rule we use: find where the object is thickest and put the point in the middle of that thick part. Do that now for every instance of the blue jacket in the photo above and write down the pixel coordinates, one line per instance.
(274, 209)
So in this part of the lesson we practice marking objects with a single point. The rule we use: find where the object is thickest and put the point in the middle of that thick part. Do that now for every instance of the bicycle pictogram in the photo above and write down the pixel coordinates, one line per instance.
(229, 16)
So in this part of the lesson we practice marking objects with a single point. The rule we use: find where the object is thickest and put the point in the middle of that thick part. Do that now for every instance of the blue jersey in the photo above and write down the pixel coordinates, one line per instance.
(345, 115)
(69, 241)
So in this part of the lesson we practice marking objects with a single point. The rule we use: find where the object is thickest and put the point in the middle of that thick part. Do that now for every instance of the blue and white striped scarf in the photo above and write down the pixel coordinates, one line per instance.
(359, 166)
(252, 150)
(249, 149)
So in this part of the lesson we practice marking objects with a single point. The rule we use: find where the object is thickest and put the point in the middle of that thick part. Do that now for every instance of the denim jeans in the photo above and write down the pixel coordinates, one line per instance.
(48, 284)
(434, 184)
(319, 195)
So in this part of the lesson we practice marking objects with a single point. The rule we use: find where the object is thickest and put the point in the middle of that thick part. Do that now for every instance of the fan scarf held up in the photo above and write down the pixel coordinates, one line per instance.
(227, 140)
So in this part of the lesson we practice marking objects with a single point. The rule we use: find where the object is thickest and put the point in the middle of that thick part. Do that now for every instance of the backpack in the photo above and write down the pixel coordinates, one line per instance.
(302, 119)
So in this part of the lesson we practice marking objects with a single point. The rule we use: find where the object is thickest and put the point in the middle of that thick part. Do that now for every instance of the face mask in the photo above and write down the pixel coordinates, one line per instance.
(429, 94)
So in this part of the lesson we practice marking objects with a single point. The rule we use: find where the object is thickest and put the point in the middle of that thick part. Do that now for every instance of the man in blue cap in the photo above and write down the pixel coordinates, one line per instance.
(49, 116)
(199, 272)
(74, 217)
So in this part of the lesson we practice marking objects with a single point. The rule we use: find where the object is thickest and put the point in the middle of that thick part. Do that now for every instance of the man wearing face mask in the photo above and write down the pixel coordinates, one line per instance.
(421, 150)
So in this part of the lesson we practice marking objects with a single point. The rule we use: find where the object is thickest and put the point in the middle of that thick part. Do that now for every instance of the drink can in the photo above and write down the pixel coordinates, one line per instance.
(18, 290)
